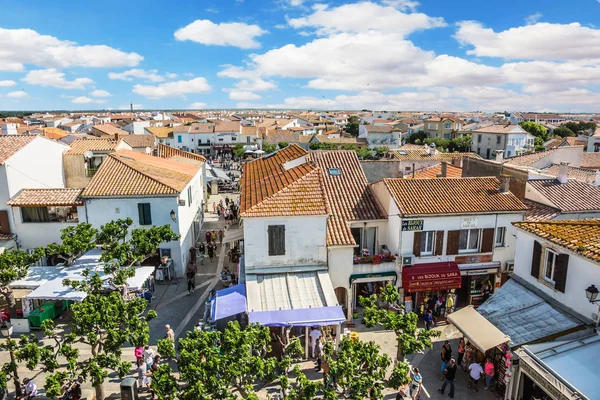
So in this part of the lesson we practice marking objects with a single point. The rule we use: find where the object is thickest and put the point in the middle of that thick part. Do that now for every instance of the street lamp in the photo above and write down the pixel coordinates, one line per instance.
(592, 294)
(173, 217)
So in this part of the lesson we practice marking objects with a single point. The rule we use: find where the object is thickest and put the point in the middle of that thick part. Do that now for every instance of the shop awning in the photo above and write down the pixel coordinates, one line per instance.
(233, 234)
(55, 290)
(319, 316)
(392, 275)
(228, 302)
(431, 276)
(481, 332)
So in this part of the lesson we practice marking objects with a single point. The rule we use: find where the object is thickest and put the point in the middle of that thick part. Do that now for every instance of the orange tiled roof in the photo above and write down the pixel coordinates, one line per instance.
(80, 146)
(434, 170)
(590, 160)
(129, 173)
(265, 179)
(526, 160)
(583, 175)
(573, 196)
(162, 132)
(47, 197)
(109, 129)
(139, 141)
(538, 211)
(411, 154)
(164, 151)
(10, 144)
(579, 236)
(54, 133)
(451, 196)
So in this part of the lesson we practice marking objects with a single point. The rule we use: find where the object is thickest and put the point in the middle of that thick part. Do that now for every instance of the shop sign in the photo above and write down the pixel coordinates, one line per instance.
(468, 223)
(433, 281)
(474, 259)
(478, 272)
(412, 225)
(542, 381)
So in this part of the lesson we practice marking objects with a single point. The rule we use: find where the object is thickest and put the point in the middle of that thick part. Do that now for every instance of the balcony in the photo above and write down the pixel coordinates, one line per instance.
(89, 172)
(375, 259)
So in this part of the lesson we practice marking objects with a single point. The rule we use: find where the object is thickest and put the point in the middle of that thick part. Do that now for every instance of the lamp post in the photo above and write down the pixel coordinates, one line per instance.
(592, 295)
(173, 216)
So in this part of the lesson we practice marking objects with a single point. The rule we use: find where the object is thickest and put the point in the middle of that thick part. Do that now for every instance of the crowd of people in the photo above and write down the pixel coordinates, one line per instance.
(228, 210)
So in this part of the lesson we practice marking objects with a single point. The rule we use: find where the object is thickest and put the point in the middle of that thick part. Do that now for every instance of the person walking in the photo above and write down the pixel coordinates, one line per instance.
(319, 354)
(139, 353)
(315, 334)
(428, 318)
(170, 333)
(148, 356)
(446, 355)
(415, 384)
(475, 372)
(208, 236)
(221, 235)
(142, 371)
(450, 373)
(30, 390)
(214, 208)
(190, 274)
(461, 352)
(489, 373)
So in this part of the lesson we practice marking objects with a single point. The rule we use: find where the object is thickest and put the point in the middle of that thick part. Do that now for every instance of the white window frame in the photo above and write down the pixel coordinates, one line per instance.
(500, 234)
(547, 253)
(448, 125)
(468, 250)
(429, 239)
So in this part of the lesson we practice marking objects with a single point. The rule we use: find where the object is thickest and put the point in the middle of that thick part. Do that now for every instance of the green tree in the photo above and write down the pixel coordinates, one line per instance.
(364, 153)
(539, 144)
(282, 145)
(269, 148)
(417, 137)
(75, 241)
(462, 144)
(239, 150)
(563, 131)
(537, 130)
(301, 389)
(410, 338)
(352, 126)
(381, 150)
(580, 127)
(14, 265)
(349, 147)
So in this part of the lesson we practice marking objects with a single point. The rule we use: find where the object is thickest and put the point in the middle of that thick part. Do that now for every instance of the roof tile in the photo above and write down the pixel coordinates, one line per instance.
(47, 197)
(572, 196)
(10, 144)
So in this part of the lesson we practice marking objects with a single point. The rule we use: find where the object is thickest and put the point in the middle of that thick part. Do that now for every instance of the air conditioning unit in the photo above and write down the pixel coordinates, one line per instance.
(510, 266)
(408, 260)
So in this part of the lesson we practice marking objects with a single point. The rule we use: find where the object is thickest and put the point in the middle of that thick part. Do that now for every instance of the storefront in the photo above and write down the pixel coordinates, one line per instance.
(479, 278)
(368, 284)
(431, 286)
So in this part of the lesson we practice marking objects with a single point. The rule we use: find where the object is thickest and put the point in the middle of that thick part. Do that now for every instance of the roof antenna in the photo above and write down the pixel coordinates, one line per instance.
(131, 105)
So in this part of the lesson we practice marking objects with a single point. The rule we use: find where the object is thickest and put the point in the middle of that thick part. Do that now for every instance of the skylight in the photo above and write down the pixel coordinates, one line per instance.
(335, 171)
(402, 152)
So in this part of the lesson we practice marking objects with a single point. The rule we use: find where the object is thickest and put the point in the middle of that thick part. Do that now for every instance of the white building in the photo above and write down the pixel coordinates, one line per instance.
(151, 191)
(8, 129)
(136, 127)
(512, 139)
(380, 136)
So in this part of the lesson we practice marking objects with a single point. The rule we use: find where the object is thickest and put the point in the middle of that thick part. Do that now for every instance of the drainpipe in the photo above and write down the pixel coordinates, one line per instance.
(86, 210)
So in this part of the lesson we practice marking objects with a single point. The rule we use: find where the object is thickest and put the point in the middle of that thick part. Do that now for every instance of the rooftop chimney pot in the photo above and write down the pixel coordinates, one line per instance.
(500, 156)
(444, 169)
(504, 183)
(563, 172)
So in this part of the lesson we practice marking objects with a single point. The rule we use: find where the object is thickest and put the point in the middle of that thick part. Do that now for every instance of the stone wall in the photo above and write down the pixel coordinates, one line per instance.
(377, 170)
(479, 167)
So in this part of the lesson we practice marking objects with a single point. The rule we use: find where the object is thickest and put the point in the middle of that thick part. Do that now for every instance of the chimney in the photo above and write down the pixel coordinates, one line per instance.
(444, 169)
(504, 183)
(563, 172)
(597, 179)
(116, 136)
(432, 149)
(500, 156)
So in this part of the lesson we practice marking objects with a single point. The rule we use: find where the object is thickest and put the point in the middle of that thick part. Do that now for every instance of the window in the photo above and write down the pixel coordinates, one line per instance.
(189, 196)
(144, 214)
(447, 125)
(498, 139)
(427, 245)
(550, 265)
(276, 240)
(233, 139)
(335, 171)
(500, 233)
(365, 239)
(49, 214)
(178, 138)
(407, 168)
(479, 150)
(248, 139)
(447, 136)
(478, 138)
(468, 241)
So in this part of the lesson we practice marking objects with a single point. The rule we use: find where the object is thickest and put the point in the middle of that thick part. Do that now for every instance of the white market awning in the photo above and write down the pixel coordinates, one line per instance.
(141, 275)
(482, 333)
(55, 290)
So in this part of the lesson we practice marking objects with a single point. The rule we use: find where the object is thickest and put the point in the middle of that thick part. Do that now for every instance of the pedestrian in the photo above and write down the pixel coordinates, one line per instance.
(450, 304)
(489, 373)
(142, 371)
(30, 390)
(207, 236)
(226, 200)
(202, 248)
(213, 236)
(148, 356)
(450, 373)
(475, 372)
(446, 355)
(193, 254)
(201, 258)
(416, 383)
(319, 354)
(221, 235)
(428, 317)
(214, 208)
(486, 290)
(315, 334)
(139, 353)
(170, 333)
(190, 274)
(461, 351)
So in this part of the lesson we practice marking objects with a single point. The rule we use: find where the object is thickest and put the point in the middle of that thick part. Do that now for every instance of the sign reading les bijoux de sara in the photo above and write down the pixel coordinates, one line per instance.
(412, 225)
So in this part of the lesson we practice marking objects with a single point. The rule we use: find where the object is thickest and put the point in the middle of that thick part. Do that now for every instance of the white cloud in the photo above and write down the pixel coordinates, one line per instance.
(295, 3)
(100, 93)
(234, 95)
(7, 83)
(173, 89)
(128, 107)
(533, 18)
(212, 10)
(151, 75)
(171, 75)
(541, 76)
(197, 105)
(250, 80)
(17, 94)
(363, 17)
(86, 100)
(25, 46)
(51, 77)
(541, 41)
(402, 4)
(236, 34)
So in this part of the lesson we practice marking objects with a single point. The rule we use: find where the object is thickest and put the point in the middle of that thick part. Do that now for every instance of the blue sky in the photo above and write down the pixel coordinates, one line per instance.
(541, 55)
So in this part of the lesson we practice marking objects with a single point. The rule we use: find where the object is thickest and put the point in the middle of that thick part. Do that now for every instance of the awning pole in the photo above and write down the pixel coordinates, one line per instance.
(306, 342)
(338, 333)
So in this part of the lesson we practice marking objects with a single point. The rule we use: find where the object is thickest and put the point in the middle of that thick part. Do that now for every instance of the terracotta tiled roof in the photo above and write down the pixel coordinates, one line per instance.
(584, 175)
(10, 144)
(54, 133)
(139, 141)
(161, 132)
(538, 211)
(227, 126)
(579, 236)
(451, 196)
(434, 170)
(109, 129)
(339, 232)
(572, 196)
(80, 146)
(380, 128)
(590, 160)
(47, 197)
(266, 180)
(554, 143)
(340, 140)
(500, 129)
(164, 151)
(129, 173)
(407, 154)
(249, 130)
(573, 141)
(526, 160)
(280, 136)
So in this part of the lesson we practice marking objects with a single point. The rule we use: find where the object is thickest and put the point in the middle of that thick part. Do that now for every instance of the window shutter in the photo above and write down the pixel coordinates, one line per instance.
(4, 224)
(147, 214)
(487, 241)
(141, 213)
(536, 259)
(439, 243)
(560, 272)
(417, 244)
(276, 244)
(452, 246)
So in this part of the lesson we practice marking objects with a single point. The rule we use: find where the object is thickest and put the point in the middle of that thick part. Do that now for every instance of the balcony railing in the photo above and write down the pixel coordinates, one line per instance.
(89, 172)
(375, 259)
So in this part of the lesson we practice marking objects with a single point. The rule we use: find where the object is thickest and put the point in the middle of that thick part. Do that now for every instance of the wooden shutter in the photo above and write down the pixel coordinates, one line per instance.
(144, 214)
(536, 259)
(4, 224)
(452, 246)
(417, 244)
(487, 240)
(141, 213)
(560, 272)
(439, 243)
(276, 235)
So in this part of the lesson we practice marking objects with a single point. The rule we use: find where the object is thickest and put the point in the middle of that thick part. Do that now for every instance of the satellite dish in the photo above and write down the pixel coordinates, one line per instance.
(148, 150)
(88, 154)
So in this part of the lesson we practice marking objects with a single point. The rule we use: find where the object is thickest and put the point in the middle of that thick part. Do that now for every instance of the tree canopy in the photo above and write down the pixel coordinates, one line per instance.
(282, 145)
(239, 150)
(537, 130)
(352, 126)
(580, 127)
(14, 265)
(563, 131)
(269, 148)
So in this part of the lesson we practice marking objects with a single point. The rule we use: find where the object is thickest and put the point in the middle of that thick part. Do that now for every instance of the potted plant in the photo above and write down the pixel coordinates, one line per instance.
(355, 313)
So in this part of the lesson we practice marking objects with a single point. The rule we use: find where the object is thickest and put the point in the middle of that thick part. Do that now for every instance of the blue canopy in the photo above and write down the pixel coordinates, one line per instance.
(318, 316)
(228, 302)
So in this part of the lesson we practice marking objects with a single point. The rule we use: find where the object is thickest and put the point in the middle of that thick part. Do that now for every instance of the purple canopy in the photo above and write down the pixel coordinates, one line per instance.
(318, 316)
(228, 302)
